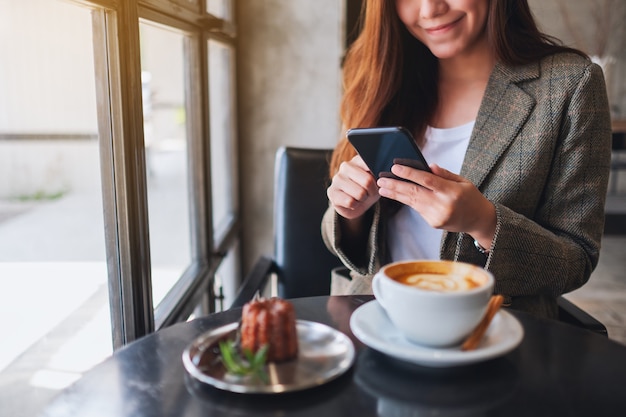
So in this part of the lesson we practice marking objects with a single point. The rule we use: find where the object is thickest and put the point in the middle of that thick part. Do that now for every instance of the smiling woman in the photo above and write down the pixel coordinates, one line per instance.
(447, 28)
(512, 123)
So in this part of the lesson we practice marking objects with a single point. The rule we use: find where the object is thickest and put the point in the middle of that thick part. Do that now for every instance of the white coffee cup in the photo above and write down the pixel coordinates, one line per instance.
(434, 303)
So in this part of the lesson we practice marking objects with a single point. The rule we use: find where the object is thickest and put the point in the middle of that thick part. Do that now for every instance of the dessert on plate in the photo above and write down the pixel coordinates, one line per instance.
(270, 322)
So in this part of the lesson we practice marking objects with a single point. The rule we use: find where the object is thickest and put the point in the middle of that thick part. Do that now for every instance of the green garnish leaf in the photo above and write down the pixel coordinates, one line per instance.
(251, 364)
(260, 356)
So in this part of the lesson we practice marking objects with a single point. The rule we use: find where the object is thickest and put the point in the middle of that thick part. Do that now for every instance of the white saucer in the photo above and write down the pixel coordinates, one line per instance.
(370, 324)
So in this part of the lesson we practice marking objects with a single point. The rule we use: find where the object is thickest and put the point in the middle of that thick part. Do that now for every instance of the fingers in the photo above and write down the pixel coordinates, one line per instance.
(353, 189)
(359, 162)
(445, 174)
(392, 188)
(409, 193)
(445, 200)
(425, 178)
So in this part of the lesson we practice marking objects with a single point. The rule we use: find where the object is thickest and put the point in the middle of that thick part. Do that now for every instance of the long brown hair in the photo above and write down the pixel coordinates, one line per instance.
(390, 78)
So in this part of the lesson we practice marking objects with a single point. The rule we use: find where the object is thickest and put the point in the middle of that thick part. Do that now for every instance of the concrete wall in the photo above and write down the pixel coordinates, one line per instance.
(289, 89)
(591, 30)
(60, 65)
(46, 88)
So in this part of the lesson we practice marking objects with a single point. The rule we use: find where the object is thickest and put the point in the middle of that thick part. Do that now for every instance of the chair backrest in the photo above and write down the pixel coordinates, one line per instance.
(302, 260)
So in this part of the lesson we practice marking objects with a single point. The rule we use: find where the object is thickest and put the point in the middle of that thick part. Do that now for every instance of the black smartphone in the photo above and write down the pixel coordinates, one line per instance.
(381, 147)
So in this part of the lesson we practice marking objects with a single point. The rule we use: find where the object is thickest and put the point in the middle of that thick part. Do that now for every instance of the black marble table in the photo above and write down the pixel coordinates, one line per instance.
(557, 370)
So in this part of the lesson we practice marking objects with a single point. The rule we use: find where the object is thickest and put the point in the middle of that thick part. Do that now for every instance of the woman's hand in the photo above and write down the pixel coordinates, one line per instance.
(445, 200)
(353, 189)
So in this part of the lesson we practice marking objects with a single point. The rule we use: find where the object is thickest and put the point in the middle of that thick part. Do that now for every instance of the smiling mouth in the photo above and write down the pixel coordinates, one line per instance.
(442, 28)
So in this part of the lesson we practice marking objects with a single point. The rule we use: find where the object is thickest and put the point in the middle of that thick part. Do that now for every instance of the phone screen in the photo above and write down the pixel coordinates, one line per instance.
(381, 147)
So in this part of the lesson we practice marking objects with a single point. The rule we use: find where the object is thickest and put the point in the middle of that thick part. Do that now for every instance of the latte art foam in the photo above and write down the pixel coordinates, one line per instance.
(439, 282)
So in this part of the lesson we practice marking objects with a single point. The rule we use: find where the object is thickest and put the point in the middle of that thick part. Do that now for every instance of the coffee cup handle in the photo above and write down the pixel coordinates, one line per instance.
(377, 289)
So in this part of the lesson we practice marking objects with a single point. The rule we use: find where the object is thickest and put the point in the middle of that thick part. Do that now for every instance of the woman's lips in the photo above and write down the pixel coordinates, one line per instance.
(442, 28)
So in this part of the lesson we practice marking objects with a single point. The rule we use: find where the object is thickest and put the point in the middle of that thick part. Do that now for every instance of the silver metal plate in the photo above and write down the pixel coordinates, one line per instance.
(323, 354)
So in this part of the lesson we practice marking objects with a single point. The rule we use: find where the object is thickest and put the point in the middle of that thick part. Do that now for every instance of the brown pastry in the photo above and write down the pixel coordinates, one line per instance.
(270, 322)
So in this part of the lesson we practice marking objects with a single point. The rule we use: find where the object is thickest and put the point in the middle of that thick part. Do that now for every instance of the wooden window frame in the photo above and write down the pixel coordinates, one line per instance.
(123, 164)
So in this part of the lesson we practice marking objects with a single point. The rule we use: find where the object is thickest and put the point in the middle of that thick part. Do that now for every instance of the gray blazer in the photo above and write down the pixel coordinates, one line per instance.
(540, 151)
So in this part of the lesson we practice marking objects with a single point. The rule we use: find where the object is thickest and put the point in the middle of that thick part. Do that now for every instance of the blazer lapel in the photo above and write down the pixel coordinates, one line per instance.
(503, 111)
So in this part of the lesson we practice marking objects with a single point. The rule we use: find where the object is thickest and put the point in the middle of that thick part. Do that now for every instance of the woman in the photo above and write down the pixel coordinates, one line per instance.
(516, 129)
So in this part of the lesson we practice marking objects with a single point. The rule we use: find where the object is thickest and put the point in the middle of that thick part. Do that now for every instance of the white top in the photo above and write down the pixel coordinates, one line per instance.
(408, 235)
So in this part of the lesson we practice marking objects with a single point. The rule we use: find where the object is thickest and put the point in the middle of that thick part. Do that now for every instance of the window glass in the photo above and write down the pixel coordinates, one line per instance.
(167, 165)
(54, 303)
(226, 285)
(220, 8)
(223, 136)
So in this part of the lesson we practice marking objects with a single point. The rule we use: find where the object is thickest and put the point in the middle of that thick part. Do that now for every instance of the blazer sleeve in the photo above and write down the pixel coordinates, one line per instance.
(331, 234)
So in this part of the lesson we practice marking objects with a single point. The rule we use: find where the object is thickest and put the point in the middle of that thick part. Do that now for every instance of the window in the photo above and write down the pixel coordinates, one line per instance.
(53, 275)
(116, 125)
(167, 163)
(223, 151)
(220, 8)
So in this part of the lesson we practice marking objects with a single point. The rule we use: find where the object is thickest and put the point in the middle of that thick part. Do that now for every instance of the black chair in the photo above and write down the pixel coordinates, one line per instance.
(301, 261)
